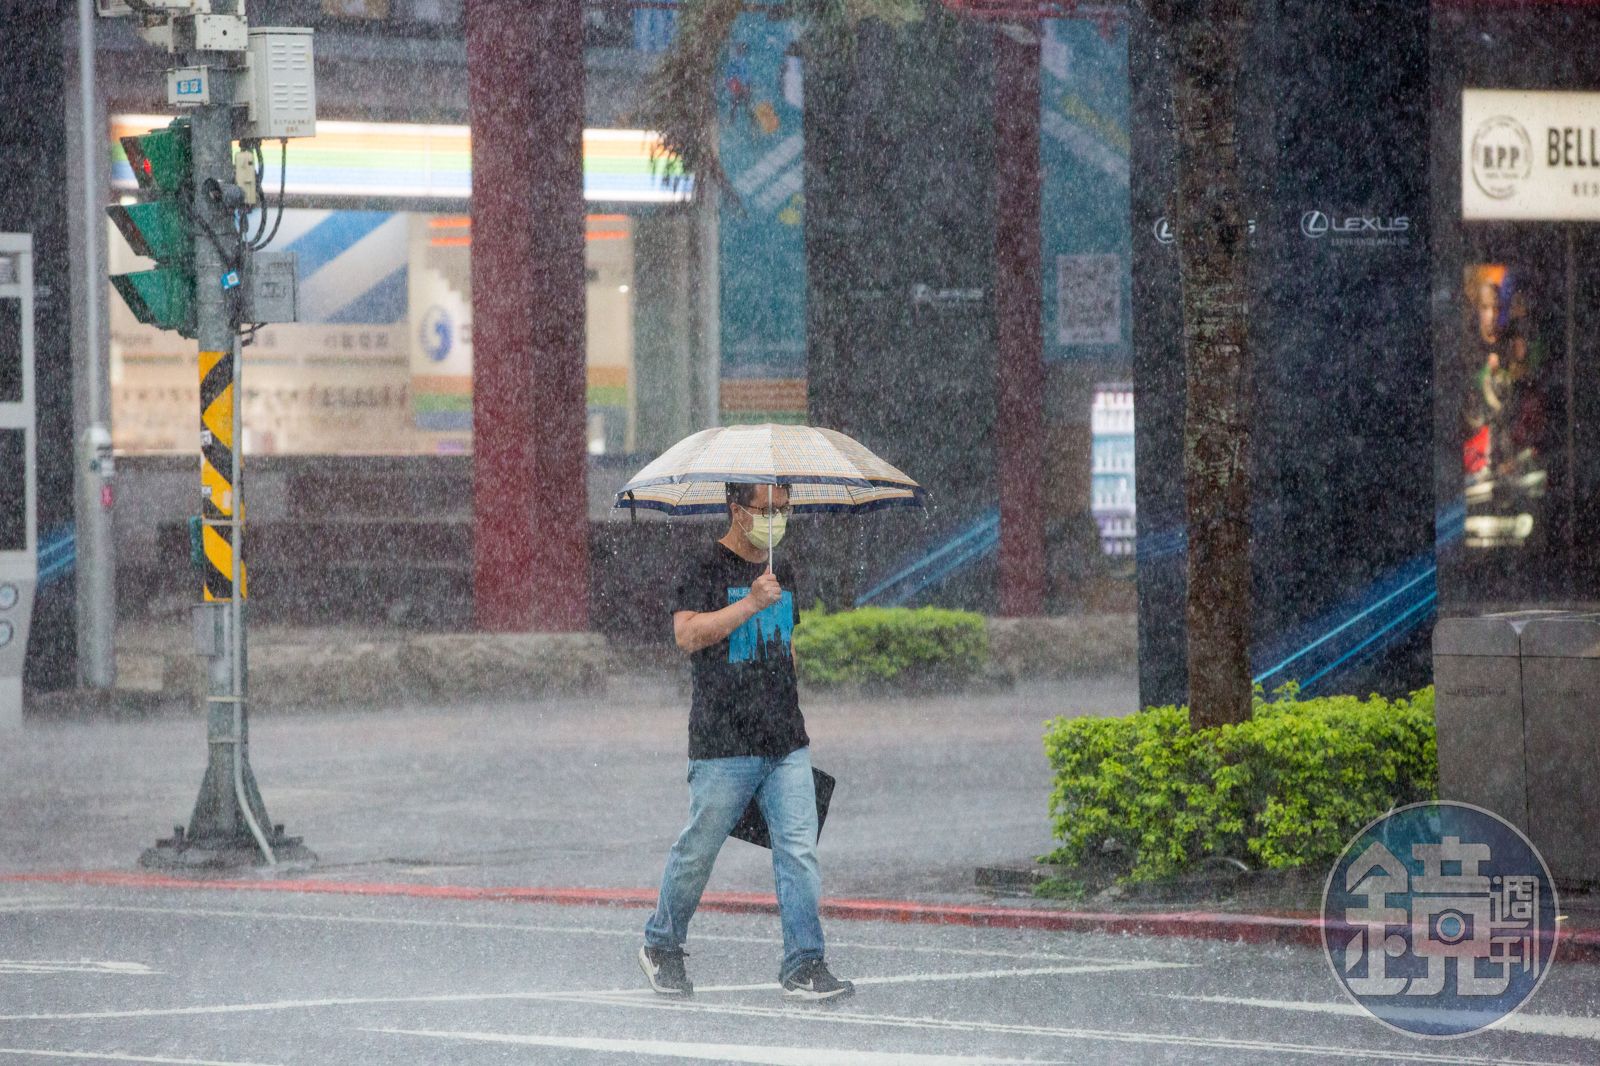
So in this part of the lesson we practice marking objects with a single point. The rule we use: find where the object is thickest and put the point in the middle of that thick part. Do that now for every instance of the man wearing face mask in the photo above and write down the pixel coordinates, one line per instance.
(735, 618)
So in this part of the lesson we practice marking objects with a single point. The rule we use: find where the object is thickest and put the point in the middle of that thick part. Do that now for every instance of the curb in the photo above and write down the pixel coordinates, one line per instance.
(1301, 930)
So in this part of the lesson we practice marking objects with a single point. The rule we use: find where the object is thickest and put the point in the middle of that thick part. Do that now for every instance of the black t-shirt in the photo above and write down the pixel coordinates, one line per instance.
(745, 701)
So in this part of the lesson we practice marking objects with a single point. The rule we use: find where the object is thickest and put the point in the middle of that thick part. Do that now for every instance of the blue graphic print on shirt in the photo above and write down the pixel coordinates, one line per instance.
(764, 634)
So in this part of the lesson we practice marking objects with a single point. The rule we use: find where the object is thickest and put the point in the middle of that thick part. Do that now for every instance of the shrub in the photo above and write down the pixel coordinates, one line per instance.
(1287, 788)
(877, 644)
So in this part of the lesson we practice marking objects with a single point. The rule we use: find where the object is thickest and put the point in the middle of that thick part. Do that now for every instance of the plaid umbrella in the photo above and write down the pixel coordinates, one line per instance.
(824, 470)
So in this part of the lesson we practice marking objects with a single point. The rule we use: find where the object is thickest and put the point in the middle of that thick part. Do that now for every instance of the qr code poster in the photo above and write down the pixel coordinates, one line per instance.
(1089, 299)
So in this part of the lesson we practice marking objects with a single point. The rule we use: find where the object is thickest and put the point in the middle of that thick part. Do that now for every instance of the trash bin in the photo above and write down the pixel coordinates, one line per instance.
(1517, 706)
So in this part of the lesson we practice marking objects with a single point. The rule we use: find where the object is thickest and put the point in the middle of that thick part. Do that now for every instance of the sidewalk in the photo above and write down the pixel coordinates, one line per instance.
(585, 791)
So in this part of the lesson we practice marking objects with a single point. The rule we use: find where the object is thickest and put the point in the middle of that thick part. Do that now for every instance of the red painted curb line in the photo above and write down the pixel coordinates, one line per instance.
(1300, 929)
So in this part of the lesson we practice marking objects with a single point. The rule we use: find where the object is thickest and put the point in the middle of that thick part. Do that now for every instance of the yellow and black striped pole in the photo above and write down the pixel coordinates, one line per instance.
(219, 495)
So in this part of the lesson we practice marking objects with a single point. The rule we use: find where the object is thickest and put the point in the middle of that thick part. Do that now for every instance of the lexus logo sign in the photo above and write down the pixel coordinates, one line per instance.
(1357, 229)
(1314, 224)
(1165, 234)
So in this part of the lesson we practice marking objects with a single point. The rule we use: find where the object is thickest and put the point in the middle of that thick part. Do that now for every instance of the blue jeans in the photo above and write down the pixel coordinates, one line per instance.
(719, 791)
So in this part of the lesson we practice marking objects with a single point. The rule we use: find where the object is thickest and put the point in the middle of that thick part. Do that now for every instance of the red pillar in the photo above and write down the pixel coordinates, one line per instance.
(530, 505)
(1020, 360)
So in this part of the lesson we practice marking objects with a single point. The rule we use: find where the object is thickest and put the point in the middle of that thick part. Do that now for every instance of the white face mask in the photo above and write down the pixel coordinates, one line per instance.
(758, 534)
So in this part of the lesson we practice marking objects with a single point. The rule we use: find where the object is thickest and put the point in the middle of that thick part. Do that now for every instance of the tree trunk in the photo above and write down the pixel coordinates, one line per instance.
(1207, 37)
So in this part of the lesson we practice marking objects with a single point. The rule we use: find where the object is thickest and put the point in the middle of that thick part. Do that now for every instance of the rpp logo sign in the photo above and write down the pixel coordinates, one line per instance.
(1502, 156)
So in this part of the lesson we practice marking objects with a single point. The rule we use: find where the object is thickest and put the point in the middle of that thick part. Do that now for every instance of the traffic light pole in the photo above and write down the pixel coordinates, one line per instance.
(95, 571)
(229, 826)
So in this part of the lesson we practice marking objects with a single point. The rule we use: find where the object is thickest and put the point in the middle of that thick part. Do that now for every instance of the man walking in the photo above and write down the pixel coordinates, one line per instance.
(747, 739)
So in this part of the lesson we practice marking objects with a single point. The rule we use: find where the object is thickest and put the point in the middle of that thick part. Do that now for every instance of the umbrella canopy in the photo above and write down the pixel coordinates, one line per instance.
(824, 470)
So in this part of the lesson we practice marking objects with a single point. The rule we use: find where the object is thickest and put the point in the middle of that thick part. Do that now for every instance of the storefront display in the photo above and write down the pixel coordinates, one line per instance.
(1504, 410)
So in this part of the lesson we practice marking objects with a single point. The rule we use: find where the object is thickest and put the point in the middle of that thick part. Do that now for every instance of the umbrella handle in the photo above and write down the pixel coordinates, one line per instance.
(770, 547)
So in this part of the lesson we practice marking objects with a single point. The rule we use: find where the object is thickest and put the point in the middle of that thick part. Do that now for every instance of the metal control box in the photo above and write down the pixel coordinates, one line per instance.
(112, 9)
(271, 291)
(210, 33)
(280, 84)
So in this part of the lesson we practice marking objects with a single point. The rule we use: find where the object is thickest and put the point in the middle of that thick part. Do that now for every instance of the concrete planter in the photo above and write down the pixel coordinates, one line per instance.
(1065, 646)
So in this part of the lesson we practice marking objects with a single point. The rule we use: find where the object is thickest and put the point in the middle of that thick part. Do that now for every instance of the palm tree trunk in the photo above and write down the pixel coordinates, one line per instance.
(1207, 41)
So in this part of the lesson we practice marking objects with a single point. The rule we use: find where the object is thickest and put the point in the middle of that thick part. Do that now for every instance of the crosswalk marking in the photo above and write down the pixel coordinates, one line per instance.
(1578, 1028)
(938, 976)
(834, 1016)
(120, 969)
(118, 1056)
(604, 995)
(758, 1054)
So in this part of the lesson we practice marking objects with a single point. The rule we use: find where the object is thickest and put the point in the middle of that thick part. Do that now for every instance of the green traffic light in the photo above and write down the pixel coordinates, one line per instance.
(161, 159)
(159, 229)
(163, 298)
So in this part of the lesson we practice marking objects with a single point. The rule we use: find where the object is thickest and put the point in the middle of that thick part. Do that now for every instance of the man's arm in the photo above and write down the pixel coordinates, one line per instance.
(694, 630)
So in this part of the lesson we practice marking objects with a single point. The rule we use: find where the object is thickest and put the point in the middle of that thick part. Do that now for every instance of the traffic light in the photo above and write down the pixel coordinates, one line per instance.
(159, 229)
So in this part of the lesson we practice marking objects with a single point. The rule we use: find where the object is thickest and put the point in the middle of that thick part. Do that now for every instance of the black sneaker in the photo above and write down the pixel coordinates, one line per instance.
(665, 971)
(812, 981)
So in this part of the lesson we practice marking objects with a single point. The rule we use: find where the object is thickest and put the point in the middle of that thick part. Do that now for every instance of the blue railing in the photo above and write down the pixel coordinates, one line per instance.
(58, 551)
(1385, 612)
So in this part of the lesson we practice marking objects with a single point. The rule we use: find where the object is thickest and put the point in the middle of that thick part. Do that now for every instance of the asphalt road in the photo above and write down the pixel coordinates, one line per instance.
(590, 793)
(233, 977)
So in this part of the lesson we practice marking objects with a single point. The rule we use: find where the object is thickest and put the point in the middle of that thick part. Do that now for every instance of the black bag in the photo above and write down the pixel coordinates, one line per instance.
(753, 828)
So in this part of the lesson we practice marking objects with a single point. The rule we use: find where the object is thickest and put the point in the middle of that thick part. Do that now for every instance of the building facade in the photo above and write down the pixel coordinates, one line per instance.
(700, 310)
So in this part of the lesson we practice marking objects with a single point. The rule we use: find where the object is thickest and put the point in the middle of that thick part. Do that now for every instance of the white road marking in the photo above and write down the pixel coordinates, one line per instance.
(930, 978)
(606, 995)
(759, 1054)
(1119, 1036)
(117, 1056)
(571, 930)
(1567, 1025)
(123, 969)
(288, 1004)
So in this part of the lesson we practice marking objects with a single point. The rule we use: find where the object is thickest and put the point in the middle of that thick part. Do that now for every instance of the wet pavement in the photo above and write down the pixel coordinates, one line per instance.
(232, 977)
(559, 792)
(586, 793)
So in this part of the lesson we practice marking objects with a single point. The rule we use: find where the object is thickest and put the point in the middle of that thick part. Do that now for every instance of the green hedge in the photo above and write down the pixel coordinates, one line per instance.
(1287, 788)
(880, 644)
